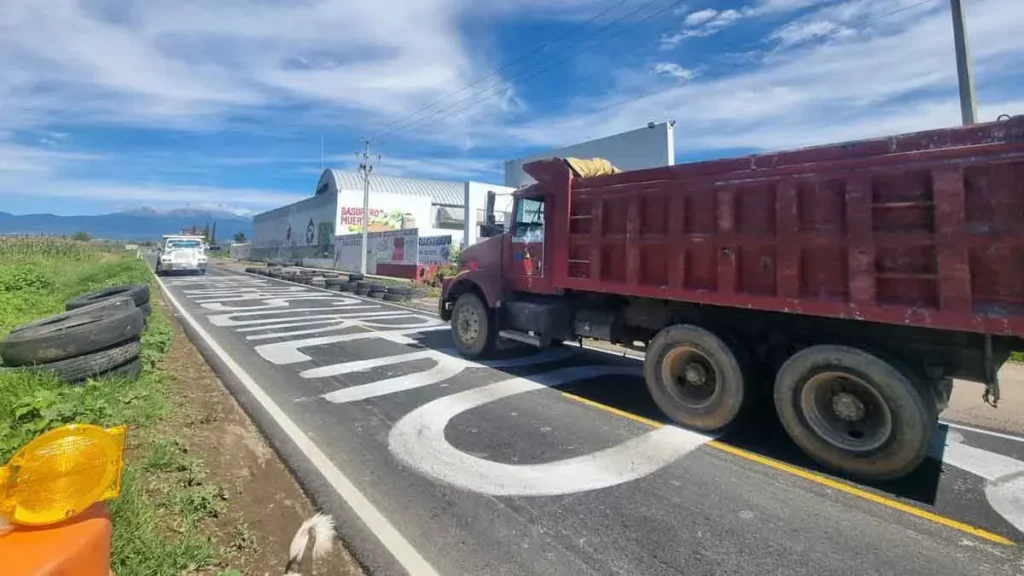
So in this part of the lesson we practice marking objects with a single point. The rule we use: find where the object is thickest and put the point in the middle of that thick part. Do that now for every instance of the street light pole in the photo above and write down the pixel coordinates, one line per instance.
(968, 110)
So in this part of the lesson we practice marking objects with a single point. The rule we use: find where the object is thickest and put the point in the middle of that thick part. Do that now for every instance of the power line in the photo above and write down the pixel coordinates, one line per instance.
(441, 114)
(508, 66)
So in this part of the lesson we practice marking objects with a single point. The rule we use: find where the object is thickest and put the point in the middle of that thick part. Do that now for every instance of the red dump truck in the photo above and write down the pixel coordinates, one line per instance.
(850, 283)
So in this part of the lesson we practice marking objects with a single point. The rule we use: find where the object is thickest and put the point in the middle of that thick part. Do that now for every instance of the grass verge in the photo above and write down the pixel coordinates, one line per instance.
(165, 494)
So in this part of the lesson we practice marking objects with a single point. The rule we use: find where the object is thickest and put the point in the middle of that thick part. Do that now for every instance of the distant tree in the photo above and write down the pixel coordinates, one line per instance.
(240, 237)
(213, 234)
(206, 233)
(81, 236)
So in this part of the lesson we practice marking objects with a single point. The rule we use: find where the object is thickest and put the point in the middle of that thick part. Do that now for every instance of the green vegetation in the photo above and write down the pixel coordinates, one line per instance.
(81, 236)
(165, 495)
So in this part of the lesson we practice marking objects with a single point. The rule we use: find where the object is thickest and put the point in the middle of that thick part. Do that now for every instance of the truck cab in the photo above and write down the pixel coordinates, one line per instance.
(182, 253)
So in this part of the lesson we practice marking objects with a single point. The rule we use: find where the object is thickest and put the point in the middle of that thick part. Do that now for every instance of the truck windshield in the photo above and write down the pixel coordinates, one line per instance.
(186, 244)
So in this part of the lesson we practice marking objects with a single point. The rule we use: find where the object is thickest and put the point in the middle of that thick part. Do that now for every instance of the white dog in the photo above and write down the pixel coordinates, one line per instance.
(321, 529)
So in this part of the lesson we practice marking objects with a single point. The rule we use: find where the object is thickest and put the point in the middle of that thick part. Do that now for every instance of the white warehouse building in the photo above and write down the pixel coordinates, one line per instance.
(307, 228)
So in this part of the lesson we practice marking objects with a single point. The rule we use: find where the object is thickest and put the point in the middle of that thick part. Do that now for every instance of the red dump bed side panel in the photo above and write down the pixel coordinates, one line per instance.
(923, 229)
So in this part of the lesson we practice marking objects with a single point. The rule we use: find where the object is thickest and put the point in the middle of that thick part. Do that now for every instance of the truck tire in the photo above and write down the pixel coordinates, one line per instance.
(138, 292)
(355, 277)
(71, 334)
(334, 281)
(473, 328)
(79, 368)
(854, 413)
(696, 378)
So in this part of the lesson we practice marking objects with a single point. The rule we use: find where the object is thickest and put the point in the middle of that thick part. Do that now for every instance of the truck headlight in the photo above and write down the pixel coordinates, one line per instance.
(61, 474)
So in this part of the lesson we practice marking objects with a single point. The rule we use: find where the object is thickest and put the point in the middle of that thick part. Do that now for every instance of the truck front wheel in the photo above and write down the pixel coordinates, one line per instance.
(853, 412)
(695, 378)
(472, 327)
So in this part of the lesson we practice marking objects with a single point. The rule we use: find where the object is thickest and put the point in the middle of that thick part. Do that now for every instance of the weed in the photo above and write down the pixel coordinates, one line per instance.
(244, 538)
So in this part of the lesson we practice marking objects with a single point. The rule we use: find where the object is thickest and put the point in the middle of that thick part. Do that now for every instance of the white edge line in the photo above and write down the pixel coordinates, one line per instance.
(982, 431)
(396, 544)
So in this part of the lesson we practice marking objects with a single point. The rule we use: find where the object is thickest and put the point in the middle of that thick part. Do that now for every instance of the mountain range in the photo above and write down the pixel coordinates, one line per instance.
(136, 224)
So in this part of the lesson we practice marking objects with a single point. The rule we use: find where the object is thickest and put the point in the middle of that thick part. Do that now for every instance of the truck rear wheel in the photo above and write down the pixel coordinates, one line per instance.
(695, 378)
(472, 327)
(853, 412)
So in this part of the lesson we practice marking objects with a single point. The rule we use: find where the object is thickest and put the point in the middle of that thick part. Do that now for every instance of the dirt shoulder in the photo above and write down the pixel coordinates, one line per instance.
(263, 505)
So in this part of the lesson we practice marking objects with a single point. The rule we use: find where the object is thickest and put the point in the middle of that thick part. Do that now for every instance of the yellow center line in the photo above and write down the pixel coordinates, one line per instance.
(812, 477)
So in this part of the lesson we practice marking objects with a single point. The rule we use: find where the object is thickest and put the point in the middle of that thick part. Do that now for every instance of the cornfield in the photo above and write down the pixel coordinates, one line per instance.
(30, 247)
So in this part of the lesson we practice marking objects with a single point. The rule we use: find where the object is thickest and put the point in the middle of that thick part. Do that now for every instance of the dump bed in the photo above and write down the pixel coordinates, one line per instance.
(922, 229)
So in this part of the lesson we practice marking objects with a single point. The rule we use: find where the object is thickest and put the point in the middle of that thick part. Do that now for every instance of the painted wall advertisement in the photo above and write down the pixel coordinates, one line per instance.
(389, 247)
(434, 250)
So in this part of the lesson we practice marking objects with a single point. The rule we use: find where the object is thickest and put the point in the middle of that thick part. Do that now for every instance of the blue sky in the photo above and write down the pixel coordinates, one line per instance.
(113, 104)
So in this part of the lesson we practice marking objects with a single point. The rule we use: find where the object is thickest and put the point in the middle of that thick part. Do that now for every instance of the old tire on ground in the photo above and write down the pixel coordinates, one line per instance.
(347, 287)
(375, 293)
(129, 371)
(854, 412)
(400, 290)
(392, 297)
(361, 291)
(473, 328)
(71, 334)
(120, 302)
(695, 378)
(138, 292)
(81, 367)
(377, 287)
(147, 309)
(355, 277)
(334, 281)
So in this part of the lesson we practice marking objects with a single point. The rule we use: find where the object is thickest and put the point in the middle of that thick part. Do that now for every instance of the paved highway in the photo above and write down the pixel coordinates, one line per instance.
(556, 462)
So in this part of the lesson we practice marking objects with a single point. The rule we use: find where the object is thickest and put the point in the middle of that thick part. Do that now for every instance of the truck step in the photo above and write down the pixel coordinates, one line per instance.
(519, 337)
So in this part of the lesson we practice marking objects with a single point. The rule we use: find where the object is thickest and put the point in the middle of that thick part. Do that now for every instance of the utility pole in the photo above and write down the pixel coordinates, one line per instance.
(365, 168)
(968, 110)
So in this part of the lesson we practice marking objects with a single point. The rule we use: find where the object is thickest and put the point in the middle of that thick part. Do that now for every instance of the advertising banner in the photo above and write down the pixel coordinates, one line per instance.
(391, 247)
(434, 250)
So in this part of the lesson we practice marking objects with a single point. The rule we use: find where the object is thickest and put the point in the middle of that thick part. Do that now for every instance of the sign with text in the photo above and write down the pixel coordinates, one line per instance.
(434, 250)
(391, 247)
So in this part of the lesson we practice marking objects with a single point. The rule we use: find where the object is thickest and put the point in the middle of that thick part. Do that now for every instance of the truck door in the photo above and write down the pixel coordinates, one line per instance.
(528, 238)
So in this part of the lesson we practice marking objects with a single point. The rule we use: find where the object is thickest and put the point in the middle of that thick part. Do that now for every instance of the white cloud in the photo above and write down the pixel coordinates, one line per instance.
(701, 24)
(799, 32)
(893, 77)
(17, 158)
(674, 70)
(194, 64)
(700, 17)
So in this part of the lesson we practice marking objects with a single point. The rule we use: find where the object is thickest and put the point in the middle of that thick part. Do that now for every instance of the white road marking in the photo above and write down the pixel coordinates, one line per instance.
(418, 440)
(268, 303)
(1004, 476)
(229, 319)
(982, 431)
(288, 352)
(375, 521)
(333, 326)
(446, 365)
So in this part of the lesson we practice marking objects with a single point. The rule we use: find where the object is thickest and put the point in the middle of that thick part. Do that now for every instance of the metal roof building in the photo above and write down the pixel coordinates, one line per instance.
(440, 193)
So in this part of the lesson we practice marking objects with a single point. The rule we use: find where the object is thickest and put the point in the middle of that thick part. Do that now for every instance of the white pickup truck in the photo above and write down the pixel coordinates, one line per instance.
(182, 254)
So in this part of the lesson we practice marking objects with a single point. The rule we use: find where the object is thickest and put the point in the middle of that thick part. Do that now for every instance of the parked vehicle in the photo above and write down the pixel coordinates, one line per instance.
(860, 277)
(182, 253)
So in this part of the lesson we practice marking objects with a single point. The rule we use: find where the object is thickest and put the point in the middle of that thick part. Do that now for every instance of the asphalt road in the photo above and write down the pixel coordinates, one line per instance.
(557, 462)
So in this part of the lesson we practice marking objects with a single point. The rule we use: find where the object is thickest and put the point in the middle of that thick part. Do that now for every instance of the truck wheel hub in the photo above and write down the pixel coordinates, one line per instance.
(846, 411)
(695, 374)
(848, 407)
(469, 325)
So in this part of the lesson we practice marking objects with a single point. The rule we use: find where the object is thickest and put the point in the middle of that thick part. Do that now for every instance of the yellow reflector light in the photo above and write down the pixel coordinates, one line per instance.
(62, 473)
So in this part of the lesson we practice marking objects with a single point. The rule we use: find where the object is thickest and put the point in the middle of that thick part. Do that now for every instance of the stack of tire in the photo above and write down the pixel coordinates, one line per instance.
(398, 293)
(98, 335)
